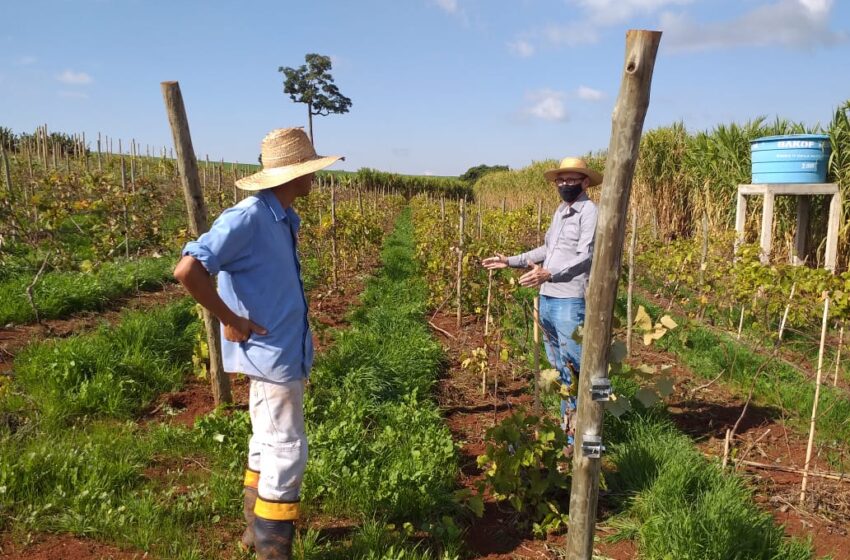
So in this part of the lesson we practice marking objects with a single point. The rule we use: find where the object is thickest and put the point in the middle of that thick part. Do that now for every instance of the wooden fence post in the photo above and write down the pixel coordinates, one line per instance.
(188, 170)
(627, 125)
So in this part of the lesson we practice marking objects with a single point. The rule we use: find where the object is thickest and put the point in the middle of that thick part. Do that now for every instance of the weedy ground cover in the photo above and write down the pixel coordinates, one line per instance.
(73, 460)
(709, 353)
(58, 294)
(678, 504)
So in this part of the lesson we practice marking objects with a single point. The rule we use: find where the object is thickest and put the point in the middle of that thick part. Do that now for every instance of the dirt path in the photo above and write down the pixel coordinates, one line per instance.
(64, 547)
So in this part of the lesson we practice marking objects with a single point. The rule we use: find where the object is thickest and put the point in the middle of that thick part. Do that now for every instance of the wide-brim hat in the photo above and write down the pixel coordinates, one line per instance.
(286, 155)
(576, 165)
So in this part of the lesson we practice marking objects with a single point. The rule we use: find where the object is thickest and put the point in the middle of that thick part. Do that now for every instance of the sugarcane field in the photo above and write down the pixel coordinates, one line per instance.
(432, 279)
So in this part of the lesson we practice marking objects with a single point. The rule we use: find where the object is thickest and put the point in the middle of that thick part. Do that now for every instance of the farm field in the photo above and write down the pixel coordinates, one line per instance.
(425, 437)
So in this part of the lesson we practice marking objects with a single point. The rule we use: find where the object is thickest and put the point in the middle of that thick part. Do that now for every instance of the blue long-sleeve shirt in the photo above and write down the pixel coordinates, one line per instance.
(252, 247)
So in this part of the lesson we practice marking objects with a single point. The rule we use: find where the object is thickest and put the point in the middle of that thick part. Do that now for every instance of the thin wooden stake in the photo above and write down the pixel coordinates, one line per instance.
(810, 445)
(838, 356)
(726, 445)
(489, 298)
(537, 354)
(126, 213)
(741, 323)
(785, 314)
(462, 212)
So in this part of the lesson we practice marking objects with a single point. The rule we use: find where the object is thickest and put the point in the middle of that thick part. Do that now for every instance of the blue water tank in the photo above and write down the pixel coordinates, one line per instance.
(793, 158)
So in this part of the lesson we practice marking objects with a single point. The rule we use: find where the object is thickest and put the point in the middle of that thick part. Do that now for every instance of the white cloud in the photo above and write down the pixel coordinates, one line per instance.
(74, 78)
(428, 173)
(73, 94)
(609, 12)
(589, 94)
(571, 34)
(448, 6)
(521, 48)
(546, 104)
(787, 23)
(25, 60)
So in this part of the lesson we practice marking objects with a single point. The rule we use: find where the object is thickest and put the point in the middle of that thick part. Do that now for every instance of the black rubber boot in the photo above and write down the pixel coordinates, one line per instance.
(273, 539)
(249, 501)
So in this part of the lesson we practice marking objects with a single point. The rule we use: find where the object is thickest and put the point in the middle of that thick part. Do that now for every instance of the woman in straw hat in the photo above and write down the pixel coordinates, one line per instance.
(561, 267)
(252, 247)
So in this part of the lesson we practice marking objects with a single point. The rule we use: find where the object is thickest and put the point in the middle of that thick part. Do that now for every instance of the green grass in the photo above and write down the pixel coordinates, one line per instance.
(678, 504)
(379, 450)
(59, 294)
(114, 371)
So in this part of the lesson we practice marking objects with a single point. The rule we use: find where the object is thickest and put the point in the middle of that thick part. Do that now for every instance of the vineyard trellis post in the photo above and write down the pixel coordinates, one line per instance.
(461, 211)
(627, 126)
(187, 166)
(4, 160)
(536, 339)
(811, 441)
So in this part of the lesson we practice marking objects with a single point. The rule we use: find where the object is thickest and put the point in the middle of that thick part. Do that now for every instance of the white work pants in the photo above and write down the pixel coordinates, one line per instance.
(278, 446)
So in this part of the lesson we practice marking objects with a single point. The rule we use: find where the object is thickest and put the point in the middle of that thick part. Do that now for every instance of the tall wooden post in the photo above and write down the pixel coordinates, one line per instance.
(627, 125)
(188, 169)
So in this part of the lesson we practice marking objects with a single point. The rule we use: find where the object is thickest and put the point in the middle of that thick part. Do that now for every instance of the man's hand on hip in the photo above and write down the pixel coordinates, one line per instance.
(495, 263)
(241, 329)
(534, 277)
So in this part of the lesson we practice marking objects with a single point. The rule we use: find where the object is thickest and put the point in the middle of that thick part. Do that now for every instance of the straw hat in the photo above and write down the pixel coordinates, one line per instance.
(287, 155)
(576, 165)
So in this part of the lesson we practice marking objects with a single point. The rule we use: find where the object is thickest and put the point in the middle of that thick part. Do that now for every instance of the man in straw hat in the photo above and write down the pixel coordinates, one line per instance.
(260, 301)
(561, 267)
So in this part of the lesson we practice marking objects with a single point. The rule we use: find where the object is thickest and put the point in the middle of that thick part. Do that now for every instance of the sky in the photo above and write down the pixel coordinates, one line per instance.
(437, 86)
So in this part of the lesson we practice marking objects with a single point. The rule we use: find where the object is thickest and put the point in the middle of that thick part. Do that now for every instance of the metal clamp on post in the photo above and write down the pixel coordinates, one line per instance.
(591, 446)
(600, 389)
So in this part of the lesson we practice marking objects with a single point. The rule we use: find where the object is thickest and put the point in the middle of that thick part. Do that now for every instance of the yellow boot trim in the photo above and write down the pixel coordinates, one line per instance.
(252, 478)
(276, 511)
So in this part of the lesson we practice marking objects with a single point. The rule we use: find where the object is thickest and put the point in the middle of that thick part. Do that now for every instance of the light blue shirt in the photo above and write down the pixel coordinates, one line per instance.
(252, 247)
(567, 249)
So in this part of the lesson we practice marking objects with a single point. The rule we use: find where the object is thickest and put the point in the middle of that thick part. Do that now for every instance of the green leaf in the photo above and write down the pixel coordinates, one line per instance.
(476, 505)
(647, 397)
(618, 351)
(664, 386)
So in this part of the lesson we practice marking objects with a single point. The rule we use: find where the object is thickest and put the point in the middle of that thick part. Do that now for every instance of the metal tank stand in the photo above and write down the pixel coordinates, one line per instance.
(803, 192)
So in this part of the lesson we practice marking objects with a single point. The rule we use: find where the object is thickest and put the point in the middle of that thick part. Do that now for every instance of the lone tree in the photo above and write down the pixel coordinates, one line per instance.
(312, 83)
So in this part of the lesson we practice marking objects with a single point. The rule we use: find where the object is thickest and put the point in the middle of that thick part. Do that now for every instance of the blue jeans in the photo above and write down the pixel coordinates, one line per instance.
(559, 318)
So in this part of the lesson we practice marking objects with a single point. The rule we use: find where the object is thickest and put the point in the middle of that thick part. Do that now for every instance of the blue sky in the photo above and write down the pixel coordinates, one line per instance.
(437, 86)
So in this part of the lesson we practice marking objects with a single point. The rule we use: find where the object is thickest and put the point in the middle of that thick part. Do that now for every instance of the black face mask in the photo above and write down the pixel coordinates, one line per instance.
(569, 193)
